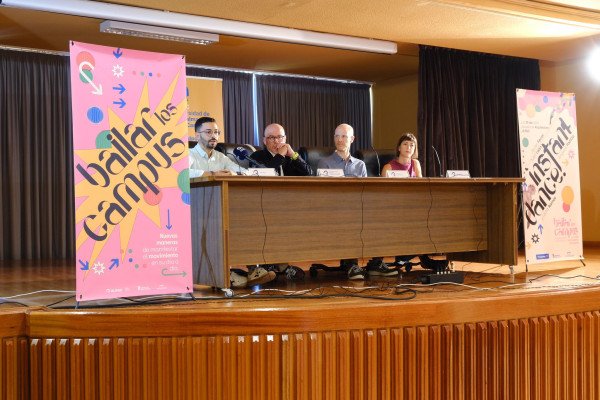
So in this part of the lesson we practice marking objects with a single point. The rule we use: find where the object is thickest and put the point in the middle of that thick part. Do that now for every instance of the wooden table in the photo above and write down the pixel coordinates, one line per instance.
(241, 220)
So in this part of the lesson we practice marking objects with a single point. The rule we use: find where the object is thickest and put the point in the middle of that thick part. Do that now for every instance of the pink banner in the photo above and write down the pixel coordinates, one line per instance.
(132, 215)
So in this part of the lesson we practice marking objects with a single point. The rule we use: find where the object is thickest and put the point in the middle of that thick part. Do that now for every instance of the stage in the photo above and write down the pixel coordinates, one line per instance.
(530, 334)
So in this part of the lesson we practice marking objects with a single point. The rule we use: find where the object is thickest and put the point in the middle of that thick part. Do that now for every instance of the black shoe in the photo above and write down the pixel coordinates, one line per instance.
(377, 267)
(356, 273)
(293, 273)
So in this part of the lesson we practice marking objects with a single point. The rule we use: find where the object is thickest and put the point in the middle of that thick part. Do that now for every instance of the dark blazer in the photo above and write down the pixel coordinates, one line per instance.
(297, 167)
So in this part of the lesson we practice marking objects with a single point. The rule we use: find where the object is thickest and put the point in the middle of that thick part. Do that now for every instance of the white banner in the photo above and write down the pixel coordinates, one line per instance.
(550, 166)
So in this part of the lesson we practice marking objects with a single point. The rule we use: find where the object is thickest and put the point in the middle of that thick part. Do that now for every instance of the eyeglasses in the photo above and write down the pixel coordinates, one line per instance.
(210, 132)
(276, 137)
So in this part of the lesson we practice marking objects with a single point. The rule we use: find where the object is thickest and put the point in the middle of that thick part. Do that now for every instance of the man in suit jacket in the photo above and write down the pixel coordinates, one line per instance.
(279, 155)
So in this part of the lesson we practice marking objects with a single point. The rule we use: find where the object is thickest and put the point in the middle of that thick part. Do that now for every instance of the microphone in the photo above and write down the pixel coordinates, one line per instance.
(242, 154)
(377, 157)
(438, 160)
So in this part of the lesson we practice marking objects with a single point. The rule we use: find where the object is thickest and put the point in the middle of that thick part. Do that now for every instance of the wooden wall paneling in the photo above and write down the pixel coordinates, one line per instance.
(10, 369)
(259, 367)
(535, 374)
(90, 368)
(315, 365)
(105, 372)
(288, 367)
(119, 367)
(423, 361)
(459, 362)
(482, 362)
(470, 364)
(397, 370)
(410, 363)
(330, 366)
(135, 364)
(48, 369)
(585, 349)
(357, 365)
(35, 369)
(23, 386)
(435, 362)
(573, 381)
(446, 368)
(344, 364)
(229, 365)
(245, 375)
(63, 370)
(371, 369)
(385, 359)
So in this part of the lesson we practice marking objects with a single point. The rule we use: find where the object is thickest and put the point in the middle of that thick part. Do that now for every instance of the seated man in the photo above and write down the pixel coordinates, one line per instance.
(206, 161)
(343, 137)
(279, 155)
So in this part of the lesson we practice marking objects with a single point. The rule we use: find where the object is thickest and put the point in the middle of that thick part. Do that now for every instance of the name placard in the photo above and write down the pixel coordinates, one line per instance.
(459, 173)
(397, 174)
(262, 172)
(332, 172)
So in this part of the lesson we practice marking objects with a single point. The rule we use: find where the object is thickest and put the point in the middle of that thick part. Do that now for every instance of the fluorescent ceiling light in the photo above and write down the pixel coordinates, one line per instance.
(158, 32)
(95, 9)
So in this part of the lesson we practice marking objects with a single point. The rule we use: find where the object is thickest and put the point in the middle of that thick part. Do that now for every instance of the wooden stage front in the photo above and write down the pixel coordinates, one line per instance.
(528, 335)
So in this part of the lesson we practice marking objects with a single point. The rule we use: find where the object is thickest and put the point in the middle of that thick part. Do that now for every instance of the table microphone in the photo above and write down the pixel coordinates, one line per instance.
(438, 160)
(242, 154)
(377, 157)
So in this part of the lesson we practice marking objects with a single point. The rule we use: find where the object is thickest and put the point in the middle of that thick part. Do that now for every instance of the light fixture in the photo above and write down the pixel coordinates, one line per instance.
(158, 32)
(593, 64)
(139, 15)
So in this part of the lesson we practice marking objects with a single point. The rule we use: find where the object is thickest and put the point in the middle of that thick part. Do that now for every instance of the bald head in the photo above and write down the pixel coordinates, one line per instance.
(343, 138)
(344, 129)
(273, 136)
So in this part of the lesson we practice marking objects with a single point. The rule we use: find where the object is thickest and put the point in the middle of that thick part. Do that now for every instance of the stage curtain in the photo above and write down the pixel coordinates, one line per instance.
(237, 103)
(310, 109)
(467, 110)
(36, 157)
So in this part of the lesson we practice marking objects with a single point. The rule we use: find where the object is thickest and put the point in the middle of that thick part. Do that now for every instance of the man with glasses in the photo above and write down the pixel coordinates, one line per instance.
(279, 155)
(204, 160)
(341, 159)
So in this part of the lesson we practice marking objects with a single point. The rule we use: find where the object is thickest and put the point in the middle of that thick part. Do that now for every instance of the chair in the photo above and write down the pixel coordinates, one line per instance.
(375, 159)
(312, 155)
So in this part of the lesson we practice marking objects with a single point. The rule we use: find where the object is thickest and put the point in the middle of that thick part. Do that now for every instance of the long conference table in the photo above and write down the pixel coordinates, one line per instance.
(243, 220)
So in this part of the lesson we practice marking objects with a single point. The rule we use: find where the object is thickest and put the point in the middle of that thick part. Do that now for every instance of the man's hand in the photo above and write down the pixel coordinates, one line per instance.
(285, 150)
(224, 172)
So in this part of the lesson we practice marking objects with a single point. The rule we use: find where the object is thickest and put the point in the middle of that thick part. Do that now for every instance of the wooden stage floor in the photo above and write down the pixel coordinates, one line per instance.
(52, 284)
(527, 335)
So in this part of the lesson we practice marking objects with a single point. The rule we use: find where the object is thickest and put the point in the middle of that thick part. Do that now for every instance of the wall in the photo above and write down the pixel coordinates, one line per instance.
(573, 77)
(394, 110)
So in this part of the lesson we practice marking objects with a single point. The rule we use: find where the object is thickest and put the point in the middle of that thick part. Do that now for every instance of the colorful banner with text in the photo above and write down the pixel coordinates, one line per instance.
(550, 166)
(132, 215)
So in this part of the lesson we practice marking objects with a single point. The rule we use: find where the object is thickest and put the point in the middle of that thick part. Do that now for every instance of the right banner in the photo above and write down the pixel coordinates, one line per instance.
(550, 166)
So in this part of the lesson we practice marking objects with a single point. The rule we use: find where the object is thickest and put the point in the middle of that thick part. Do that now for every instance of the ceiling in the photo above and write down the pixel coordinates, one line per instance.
(547, 30)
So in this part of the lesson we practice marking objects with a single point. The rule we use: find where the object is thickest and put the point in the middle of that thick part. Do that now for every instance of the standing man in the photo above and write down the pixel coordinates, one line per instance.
(343, 137)
(204, 159)
(279, 155)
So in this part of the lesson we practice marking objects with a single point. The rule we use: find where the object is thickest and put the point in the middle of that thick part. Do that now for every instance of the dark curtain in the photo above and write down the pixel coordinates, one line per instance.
(310, 109)
(237, 103)
(468, 111)
(36, 157)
